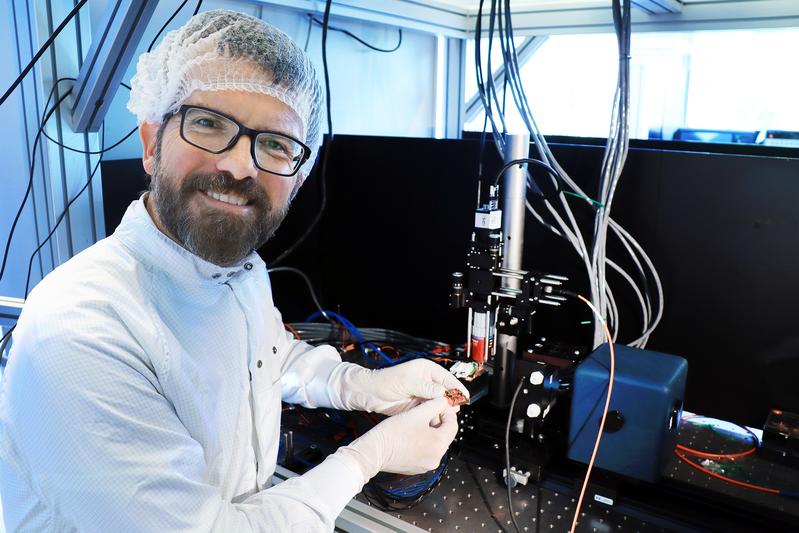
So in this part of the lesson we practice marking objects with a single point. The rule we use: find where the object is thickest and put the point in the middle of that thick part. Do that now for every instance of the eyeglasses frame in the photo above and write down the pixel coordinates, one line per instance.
(243, 130)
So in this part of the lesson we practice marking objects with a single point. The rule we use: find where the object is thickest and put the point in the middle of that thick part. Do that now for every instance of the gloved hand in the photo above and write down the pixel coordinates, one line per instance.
(409, 443)
(391, 390)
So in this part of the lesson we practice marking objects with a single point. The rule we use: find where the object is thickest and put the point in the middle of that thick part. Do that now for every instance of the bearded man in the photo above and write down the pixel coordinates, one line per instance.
(145, 378)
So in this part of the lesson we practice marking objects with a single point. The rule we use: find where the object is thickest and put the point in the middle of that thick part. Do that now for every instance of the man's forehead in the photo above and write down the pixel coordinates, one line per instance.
(254, 110)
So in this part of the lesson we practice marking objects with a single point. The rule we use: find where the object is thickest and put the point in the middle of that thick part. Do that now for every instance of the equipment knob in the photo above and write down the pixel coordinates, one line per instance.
(533, 410)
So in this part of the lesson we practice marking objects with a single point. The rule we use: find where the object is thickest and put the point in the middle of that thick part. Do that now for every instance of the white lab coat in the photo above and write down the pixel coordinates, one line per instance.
(143, 394)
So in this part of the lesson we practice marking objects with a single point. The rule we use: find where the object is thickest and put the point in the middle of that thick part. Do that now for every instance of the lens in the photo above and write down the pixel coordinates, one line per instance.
(207, 129)
(278, 153)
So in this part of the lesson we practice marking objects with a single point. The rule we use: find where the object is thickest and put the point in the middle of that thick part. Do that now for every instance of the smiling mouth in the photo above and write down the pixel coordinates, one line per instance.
(229, 199)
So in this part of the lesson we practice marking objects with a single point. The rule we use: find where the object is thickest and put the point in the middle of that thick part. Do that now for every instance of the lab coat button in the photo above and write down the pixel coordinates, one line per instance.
(260, 364)
(247, 266)
(274, 349)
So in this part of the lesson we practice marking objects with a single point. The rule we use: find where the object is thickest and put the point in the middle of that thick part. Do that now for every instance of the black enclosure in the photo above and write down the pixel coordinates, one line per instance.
(722, 229)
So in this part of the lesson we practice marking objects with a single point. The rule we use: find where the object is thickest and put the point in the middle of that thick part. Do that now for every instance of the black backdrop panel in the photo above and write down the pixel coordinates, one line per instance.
(721, 229)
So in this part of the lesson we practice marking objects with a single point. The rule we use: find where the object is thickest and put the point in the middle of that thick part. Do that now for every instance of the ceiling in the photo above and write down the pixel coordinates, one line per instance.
(455, 18)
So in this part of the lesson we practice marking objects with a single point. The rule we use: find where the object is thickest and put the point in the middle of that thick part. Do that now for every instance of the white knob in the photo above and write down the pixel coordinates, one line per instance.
(537, 378)
(533, 410)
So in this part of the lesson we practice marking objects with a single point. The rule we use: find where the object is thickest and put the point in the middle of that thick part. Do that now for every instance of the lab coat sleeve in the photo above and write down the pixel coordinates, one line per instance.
(310, 375)
(104, 445)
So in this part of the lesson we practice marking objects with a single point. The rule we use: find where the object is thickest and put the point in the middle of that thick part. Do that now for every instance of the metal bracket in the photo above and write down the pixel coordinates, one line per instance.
(113, 45)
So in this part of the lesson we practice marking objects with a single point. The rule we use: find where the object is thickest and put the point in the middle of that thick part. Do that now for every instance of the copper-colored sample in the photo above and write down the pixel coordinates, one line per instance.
(455, 397)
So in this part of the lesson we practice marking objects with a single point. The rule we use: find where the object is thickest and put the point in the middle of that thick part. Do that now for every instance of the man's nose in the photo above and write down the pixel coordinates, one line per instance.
(238, 160)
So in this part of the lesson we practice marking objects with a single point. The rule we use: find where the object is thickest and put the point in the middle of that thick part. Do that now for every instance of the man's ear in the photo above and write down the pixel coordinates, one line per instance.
(148, 133)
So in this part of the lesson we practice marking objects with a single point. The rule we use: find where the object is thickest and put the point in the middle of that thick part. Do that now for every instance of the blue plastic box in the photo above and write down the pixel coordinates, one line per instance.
(644, 415)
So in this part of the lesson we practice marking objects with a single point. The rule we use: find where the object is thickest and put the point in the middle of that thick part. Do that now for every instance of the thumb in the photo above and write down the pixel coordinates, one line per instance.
(432, 410)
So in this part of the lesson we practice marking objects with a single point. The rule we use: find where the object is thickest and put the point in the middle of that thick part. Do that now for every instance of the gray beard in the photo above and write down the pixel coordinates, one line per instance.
(220, 238)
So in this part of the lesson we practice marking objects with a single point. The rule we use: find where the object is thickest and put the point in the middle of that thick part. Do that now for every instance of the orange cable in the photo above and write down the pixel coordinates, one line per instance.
(292, 330)
(604, 411)
(725, 478)
(707, 455)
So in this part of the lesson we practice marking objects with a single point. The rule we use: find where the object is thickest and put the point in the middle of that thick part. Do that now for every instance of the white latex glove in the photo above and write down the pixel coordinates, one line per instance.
(412, 442)
(392, 390)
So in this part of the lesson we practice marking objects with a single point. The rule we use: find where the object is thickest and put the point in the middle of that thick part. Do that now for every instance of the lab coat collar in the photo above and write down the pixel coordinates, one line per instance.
(140, 234)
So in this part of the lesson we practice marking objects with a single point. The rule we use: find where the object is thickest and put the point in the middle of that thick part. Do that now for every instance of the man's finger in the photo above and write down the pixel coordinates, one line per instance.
(432, 408)
(449, 381)
(449, 425)
(428, 390)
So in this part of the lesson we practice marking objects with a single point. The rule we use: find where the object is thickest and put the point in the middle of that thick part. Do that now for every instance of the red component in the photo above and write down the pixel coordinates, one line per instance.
(478, 349)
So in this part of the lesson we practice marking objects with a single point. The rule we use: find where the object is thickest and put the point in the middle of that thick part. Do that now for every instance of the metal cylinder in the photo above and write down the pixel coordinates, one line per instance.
(457, 296)
(513, 189)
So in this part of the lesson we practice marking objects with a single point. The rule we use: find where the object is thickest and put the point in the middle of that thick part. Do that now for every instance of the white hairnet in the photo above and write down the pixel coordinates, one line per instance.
(222, 49)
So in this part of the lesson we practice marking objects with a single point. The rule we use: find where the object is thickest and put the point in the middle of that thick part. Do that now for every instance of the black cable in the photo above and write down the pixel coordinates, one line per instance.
(328, 146)
(367, 45)
(30, 177)
(481, 88)
(46, 116)
(55, 226)
(308, 35)
(551, 171)
(325, 26)
(492, 88)
(5, 340)
(42, 50)
(197, 9)
(157, 35)
(307, 282)
(89, 152)
(507, 454)
(322, 206)
(63, 214)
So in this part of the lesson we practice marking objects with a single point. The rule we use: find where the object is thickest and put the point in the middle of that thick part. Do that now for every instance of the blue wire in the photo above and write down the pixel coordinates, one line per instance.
(363, 344)
(414, 489)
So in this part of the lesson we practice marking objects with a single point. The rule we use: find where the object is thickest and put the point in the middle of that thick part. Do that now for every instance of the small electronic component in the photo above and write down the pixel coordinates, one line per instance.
(464, 370)
(455, 397)
(781, 437)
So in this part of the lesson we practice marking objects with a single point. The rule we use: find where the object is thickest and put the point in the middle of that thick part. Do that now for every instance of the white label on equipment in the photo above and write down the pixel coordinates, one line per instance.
(603, 499)
(490, 220)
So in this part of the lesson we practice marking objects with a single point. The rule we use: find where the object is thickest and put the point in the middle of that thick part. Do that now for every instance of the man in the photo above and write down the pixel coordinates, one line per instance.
(143, 387)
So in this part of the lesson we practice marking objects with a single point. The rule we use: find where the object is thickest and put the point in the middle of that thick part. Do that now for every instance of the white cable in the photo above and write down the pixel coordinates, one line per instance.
(636, 290)
(612, 165)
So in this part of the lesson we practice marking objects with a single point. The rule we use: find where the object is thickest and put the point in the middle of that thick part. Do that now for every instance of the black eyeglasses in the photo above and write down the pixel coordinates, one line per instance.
(215, 132)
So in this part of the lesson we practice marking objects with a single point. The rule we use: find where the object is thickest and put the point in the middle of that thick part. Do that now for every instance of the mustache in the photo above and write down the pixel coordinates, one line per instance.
(225, 183)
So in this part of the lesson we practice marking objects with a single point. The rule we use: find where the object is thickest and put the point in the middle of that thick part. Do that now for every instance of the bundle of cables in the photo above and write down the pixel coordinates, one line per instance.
(645, 282)
(378, 347)
(396, 492)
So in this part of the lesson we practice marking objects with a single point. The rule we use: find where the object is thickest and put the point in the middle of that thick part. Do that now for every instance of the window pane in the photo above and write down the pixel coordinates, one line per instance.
(736, 80)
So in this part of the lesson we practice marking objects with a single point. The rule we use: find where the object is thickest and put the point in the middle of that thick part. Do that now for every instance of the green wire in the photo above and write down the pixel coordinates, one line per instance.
(584, 322)
(570, 193)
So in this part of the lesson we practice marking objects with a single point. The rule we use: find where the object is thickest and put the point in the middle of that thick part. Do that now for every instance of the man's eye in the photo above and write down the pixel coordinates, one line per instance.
(274, 145)
(206, 122)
